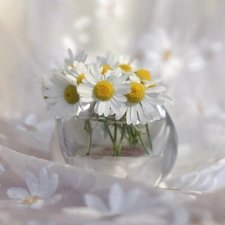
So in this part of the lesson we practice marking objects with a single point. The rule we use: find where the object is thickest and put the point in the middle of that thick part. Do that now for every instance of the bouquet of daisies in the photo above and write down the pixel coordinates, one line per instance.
(111, 90)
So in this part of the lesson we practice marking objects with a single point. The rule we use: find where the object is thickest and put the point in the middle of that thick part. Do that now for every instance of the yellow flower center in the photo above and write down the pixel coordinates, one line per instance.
(31, 199)
(143, 74)
(137, 93)
(125, 67)
(80, 78)
(71, 95)
(106, 68)
(103, 90)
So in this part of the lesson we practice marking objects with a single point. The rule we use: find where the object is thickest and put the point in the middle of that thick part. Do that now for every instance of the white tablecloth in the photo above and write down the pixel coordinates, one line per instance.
(183, 44)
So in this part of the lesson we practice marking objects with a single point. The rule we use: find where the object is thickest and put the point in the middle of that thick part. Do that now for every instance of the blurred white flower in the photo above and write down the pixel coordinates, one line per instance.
(128, 65)
(80, 56)
(197, 181)
(70, 62)
(40, 190)
(108, 61)
(161, 53)
(136, 206)
(205, 52)
(119, 202)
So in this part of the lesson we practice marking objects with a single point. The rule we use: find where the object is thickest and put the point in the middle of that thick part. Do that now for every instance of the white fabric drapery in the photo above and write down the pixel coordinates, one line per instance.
(183, 43)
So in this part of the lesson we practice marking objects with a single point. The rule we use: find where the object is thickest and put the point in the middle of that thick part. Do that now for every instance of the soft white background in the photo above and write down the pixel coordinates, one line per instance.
(35, 34)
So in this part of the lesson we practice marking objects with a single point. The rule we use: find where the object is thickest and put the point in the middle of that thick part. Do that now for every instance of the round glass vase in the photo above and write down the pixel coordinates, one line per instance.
(144, 153)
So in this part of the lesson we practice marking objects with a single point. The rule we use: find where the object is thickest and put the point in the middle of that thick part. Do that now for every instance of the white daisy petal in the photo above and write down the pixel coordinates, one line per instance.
(119, 80)
(80, 57)
(90, 99)
(32, 183)
(155, 101)
(123, 89)
(134, 118)
(116, 198)
(155, 89)
(53, 100)
(94, 202)
(128, 115)
(101, 108)
(149, 110)
(52, 93)
(122, 112)
(89, 79)
(17, 193)
(114, 106)
(48, 183)
(58, 106)
(96, 107)
(141, 114)
(53, 199)
(106, 110)
(120, 98)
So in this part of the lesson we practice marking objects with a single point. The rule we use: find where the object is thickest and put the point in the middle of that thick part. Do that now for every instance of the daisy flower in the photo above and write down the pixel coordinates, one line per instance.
(143, 75)
(40, 190)
(140, 103)
(79, 57)
(62, 97)
(107, 92)
(127, 65)
(79, 71)
(108, 62)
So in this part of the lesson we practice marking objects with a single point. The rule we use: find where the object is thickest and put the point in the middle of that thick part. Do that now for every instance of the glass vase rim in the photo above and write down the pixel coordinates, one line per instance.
(161, 115)
(114, 121)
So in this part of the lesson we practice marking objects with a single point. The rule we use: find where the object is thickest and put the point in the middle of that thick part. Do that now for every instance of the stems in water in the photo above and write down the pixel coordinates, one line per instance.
(89, 130)
(149, 136)
(131, 132)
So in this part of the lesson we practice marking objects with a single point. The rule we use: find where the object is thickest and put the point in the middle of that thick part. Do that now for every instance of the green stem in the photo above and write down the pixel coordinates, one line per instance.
(131, 135)
(115, 140)
(121, 139)
(109, 132)
(111, 137)
(139, 136)
(89, 130)
(149, 136)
